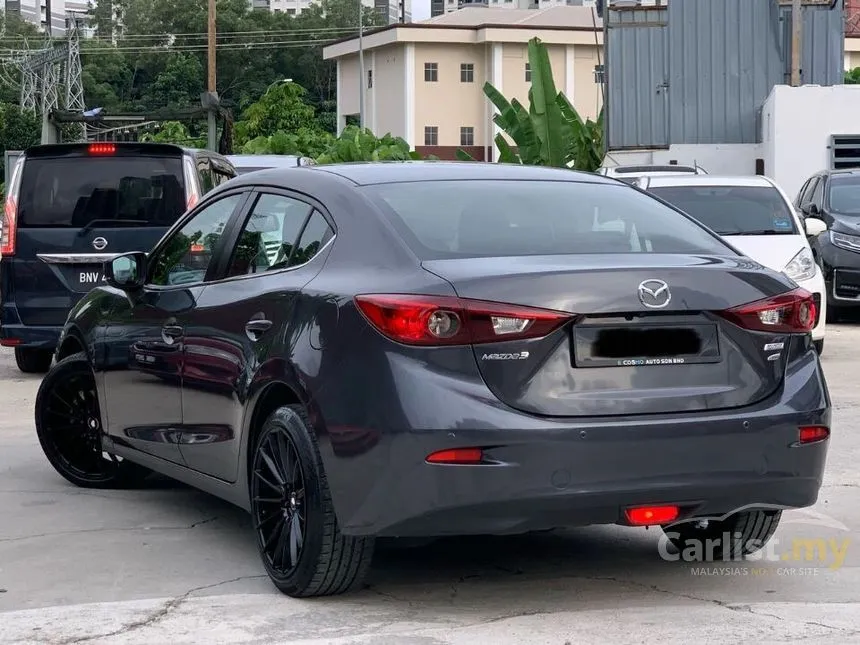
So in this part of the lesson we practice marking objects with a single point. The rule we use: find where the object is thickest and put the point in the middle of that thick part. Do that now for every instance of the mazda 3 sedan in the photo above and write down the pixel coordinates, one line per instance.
(437, 349)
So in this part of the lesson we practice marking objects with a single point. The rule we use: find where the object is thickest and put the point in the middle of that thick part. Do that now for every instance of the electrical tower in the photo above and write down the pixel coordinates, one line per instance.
(50, 77)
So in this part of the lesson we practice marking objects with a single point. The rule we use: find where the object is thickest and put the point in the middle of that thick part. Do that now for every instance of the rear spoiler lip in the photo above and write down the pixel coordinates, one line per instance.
(60, 150)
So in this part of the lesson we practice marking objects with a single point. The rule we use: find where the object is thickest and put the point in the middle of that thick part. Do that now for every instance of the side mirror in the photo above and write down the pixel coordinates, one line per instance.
(126, 271)
(814, 227)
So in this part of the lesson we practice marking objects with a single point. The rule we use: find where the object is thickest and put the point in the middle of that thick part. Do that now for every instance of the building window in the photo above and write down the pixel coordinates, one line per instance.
(431, 72)
(431, 135)
(467, 136)
(467, 73)
(528, 73)
(369, 78)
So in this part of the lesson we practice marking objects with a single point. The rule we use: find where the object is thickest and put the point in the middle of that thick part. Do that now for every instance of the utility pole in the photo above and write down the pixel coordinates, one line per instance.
(361, 78)
(796, 42)
(211, 102)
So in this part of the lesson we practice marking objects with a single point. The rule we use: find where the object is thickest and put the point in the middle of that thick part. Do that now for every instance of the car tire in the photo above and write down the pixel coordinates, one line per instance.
(69, 428)
(731, 538)
(819, 346)
(297, 533)
(33, 361)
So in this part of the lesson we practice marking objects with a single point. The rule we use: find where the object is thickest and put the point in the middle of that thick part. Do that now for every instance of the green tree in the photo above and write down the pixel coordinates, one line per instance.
(852, 77)
(550, 132)
(179, 85)
(18, 131)
(281, 108)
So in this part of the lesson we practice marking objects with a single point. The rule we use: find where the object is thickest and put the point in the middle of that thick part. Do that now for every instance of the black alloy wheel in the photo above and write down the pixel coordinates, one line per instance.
(279, 496)
(68, 424)
(298, 537)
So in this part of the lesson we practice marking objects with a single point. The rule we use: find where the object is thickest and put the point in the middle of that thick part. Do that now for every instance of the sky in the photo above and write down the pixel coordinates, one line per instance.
(420, 10)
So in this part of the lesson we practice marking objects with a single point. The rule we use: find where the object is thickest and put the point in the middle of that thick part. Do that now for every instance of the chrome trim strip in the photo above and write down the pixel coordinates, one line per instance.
(76, 258)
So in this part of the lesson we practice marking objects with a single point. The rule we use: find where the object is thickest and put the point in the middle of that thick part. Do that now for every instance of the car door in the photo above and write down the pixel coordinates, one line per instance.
(144, 337)
(237, 330)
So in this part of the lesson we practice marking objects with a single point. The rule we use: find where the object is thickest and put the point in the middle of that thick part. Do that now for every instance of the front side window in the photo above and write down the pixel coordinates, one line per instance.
(486, 218)
(187, 255)
(207, 177)
(269, 235)
(845, 194)
(733, 210)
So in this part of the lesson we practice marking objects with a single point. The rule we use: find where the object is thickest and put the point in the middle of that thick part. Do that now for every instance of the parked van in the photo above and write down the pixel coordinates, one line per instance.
(71, 207)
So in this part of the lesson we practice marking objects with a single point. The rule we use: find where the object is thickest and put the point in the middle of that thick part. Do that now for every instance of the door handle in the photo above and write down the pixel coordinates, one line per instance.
(256, 328)
(169, 333)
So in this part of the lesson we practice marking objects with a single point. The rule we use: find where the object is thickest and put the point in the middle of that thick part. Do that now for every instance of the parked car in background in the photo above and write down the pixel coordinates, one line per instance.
(631, 174)
(832, 198)
(71, 207)
(755, 216)
(250, 163)
(445, 349)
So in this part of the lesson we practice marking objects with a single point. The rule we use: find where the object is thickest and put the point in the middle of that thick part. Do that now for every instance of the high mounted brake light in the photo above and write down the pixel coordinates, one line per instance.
(448, 320)
(788, 313)
(102, 148)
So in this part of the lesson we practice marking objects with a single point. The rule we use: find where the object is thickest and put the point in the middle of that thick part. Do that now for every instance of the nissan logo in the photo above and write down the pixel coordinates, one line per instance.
(99, 243)
(654, 294)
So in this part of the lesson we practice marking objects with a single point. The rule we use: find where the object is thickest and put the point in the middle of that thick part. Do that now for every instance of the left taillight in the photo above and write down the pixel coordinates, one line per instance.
(449, 320)
(788, 313)
(9, 221)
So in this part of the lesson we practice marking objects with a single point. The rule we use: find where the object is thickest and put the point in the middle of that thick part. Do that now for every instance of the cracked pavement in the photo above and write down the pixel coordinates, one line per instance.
(169, 565)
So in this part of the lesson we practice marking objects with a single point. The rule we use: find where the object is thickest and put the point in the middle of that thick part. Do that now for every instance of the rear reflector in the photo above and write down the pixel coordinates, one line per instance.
(102, 148)
(9, 342)
(448, 320)
(813, 434)
(464, 456)
(647, 515)
(788, 313)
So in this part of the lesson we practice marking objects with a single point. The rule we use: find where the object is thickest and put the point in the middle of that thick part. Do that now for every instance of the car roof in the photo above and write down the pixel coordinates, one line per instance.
(367, 173)
(843, 171)
(644, 169)
(272, 161)
(710, 180)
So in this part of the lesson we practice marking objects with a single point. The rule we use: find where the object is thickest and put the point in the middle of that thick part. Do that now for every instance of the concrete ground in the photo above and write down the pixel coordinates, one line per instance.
(171, 565)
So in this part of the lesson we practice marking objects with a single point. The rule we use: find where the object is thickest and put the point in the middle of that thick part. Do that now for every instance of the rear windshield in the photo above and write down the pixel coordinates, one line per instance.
(733, 210)
(479, 218)
(115, 191)
(845, 195)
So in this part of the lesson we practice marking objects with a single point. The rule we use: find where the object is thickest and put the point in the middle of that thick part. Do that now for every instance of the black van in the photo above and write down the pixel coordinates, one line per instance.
(70, 207)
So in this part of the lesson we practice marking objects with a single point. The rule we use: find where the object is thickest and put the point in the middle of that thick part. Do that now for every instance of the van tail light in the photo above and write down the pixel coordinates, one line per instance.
(9, 219)
(191, 200)
(449, 320)
(788, 313)
(8, 227)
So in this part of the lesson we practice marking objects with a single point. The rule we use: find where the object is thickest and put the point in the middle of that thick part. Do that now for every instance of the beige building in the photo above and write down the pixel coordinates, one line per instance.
(424, 81)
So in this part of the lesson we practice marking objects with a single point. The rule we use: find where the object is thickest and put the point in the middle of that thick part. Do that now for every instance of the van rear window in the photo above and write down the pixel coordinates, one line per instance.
(115, 191)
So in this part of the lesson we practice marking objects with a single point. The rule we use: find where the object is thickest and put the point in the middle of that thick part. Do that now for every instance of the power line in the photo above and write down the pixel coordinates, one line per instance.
(177, 49)
(221, 34)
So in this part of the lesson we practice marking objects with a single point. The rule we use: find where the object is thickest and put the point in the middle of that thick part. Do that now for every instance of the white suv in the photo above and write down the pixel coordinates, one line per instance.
(755, 216)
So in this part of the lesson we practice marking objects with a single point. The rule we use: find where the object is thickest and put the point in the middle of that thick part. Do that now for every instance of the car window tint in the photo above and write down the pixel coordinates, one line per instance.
(845, 194)
(207, 177)
(485, 218)
(733, 210)
(112, 191)
(186, 256)
(316, 234)
(817, 197)
(268, 236)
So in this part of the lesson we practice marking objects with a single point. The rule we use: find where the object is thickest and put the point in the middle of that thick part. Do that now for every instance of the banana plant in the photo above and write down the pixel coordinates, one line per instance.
(550, 132)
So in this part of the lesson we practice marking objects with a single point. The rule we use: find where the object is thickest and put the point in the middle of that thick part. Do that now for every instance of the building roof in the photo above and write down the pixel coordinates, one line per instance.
(563, 20)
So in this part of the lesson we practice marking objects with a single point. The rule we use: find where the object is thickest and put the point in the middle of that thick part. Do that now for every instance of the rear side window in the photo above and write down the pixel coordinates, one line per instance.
(480, 218)
(114, 191)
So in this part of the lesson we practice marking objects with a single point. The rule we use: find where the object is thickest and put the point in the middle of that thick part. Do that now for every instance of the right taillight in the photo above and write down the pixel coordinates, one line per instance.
(449, 320)
(788, 313)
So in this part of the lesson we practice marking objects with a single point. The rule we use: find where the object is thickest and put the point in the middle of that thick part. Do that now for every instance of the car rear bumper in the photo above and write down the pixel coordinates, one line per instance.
(15, 334)
(549, 473)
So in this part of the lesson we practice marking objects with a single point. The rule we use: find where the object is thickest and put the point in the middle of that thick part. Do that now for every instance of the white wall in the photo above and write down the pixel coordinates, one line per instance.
(796, 126)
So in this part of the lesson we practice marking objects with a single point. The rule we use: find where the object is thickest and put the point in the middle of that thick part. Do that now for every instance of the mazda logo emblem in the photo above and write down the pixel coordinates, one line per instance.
(99, 243)
(654, 294)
